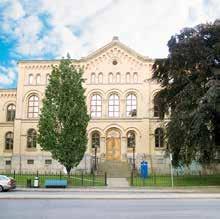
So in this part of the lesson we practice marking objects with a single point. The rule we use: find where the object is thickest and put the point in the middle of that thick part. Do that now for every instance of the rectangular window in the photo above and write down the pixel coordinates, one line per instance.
(30, 161)
(8, 162)
(48, 161)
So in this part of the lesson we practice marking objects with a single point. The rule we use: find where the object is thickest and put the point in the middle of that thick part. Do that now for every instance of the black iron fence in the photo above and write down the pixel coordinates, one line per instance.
(159, 180)
(74, 180)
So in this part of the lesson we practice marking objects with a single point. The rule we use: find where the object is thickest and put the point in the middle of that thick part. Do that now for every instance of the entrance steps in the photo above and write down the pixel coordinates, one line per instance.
(115, 169)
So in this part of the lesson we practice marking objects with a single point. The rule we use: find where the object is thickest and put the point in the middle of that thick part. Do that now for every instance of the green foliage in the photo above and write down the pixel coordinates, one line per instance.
(63, 120)
(190, 90)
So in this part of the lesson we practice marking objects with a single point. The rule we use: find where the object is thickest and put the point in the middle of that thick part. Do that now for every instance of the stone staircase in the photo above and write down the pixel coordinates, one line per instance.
(115, 169)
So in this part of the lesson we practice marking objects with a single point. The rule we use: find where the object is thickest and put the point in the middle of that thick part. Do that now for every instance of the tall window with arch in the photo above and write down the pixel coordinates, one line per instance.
(128, 77)
(38, 79)
(131, 105)
(110, 77)
(135, 77)
(159, 138)
(131, 139)
(158, 112)
(113, 105)
(33, 106)
(96, 106)
(9, 140)
(10, 113)
(95, 139)
(31, 138)
(100, 78)
(93, 78)
(30, 79)
(118, 77)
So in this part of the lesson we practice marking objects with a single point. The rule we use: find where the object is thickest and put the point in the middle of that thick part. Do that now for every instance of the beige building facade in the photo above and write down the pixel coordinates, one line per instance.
(120, 99)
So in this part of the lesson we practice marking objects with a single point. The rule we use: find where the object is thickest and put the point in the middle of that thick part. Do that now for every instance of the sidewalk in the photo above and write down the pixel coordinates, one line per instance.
(210, 189)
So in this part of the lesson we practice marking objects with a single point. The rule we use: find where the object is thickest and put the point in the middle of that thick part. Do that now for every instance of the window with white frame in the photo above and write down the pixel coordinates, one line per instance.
(31, 138)
(93, 78)
(33, 106)
(95, 139)
(118, 77)
(131, 105)
(113, 105)
(159, 138)
(47, 78)
(30, 79)
(128, 77)
(135, 77)
(96, 106)
(9, 138)
(38, 79)
(100, 78)
(131, 139)
(10, 112)
(110, 77)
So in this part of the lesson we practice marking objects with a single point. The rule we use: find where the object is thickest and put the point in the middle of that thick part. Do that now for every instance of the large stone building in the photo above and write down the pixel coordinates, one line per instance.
(120, 99)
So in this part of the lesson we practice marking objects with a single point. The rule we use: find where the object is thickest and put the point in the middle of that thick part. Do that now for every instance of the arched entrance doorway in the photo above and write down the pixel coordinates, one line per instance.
(113, 144)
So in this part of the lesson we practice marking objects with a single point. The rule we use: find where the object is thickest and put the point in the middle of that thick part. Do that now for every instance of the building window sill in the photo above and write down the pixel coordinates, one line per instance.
(8, 151)
(31, 149)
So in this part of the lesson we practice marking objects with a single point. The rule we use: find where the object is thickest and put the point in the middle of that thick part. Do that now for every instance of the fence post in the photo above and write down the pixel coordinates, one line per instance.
(132, 178)
(105, 179)
(155, 181)
(60, 174)
(37, 173)
(14, 174)
(82, 178)
(93, 179)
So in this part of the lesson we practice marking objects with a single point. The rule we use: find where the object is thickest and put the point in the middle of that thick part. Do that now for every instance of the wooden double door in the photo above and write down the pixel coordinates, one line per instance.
(113, 145)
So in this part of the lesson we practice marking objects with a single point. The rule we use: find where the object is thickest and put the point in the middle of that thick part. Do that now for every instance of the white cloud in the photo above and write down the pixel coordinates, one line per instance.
(78, 27)
(8, 75)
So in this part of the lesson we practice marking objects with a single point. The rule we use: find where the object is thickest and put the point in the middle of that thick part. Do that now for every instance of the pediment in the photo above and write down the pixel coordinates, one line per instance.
(115, 48)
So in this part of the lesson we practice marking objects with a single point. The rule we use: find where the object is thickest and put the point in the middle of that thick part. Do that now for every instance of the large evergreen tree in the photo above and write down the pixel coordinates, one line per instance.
(188, 79)
(63, 120)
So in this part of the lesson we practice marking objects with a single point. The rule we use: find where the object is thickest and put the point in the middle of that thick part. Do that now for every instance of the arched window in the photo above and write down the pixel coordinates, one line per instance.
(110, 78)
(113, 105)
(128, 77)
(9, 140)
(157, 110)
(159, 138)
(47, 78)
(10, 112)
(93, 78)
(100, 78)
(30, 79)
(118, 77)
(38, 79)
(131, 105)
(95, 139)
(135, 77)
(96, 106)
(31, 138)
(131, 139)
(33, 106)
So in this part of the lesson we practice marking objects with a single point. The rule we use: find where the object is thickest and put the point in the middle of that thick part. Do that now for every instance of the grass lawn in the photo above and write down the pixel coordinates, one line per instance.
(73, 181)
(188, 180)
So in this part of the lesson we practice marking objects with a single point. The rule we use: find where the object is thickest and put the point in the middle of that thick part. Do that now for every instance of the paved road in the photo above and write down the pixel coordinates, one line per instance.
(110, 209)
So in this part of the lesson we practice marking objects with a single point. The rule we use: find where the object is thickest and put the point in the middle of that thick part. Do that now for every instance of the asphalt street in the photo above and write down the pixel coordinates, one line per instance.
(84, 209)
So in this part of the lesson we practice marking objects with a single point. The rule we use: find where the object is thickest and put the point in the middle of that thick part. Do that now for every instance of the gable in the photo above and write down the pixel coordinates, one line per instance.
(114, 49)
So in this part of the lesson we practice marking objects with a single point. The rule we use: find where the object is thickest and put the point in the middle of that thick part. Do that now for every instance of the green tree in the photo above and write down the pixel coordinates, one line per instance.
(186, 77)
(64, 119)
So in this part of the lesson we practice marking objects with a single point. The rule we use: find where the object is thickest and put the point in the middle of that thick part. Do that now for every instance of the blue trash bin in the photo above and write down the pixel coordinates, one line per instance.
(144, 169)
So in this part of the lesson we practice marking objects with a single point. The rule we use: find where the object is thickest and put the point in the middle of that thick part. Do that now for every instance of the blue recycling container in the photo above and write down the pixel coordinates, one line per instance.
(144, 169)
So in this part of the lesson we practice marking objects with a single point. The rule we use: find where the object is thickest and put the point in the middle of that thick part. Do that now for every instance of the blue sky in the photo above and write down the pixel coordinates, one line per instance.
(48, 29)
